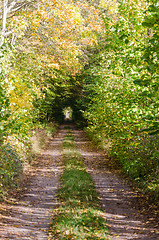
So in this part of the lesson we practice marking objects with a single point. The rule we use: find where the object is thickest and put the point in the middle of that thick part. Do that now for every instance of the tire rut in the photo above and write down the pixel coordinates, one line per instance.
(116, 197)
(30, 215)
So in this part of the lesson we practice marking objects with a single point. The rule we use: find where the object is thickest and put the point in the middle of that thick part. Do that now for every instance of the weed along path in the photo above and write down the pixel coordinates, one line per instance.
(78, 208)
(117, 199)
(29, 216)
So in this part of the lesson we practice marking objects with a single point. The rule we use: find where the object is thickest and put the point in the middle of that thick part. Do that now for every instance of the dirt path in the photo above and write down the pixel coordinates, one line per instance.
(29, 217)
(117, 199)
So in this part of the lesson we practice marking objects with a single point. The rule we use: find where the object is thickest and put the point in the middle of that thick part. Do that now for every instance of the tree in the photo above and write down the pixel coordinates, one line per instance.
(9, 9)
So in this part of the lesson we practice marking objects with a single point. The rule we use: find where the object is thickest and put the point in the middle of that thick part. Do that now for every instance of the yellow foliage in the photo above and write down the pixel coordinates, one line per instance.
(110, 5)
(64, 28)
(20, 96)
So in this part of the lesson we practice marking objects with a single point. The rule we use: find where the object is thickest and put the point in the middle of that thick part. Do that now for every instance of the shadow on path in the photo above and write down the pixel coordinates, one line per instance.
(30, 216)
(117, 199)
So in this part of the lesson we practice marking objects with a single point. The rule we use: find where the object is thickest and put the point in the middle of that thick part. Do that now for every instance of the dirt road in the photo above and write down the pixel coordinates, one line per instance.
(29, 217)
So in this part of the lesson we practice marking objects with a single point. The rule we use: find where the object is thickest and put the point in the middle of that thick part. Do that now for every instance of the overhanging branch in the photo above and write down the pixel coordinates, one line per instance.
(15, 7)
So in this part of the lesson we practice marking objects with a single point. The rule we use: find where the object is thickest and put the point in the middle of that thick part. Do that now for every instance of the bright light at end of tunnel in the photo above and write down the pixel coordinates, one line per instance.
(68, 113)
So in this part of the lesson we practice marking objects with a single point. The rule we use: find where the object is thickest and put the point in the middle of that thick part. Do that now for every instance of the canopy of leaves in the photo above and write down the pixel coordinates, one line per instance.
(98, 57)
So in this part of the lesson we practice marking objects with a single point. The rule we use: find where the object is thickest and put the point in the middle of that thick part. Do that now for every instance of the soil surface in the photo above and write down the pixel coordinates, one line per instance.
(30, 215)
(118, 200)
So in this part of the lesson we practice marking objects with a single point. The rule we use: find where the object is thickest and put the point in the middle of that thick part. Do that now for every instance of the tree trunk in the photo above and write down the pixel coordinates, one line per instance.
(4, 21)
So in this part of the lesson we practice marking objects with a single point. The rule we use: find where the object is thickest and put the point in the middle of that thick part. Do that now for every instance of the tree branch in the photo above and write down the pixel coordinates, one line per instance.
(12, 10)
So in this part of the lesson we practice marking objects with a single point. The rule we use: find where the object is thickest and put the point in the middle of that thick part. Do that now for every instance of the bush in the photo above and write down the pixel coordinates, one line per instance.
(10, 168)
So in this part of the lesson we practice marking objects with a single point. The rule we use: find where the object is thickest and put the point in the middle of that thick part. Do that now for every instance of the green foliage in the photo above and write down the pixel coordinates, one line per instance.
(120, 88)
(151, 55)
(4, 101)
(10, 168)
(79, 216)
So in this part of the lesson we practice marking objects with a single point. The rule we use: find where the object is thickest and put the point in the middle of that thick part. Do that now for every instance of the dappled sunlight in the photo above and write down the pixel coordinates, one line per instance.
(30, 220)
(90, 154)
(51, 153)
(30, 216)
(117, 199)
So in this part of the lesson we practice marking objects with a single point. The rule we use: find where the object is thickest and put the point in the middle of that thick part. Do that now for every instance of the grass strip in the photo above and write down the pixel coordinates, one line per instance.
(79, 216)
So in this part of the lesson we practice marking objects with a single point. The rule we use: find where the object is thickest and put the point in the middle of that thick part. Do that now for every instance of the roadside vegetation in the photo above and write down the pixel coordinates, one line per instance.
(119, 101)
(79, 216)
(100, 58)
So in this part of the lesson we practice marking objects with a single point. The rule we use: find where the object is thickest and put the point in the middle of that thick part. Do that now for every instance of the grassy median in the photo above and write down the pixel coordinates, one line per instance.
(79, 216)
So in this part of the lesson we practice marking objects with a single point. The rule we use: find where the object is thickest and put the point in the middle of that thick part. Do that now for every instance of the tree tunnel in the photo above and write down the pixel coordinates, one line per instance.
(62, 93)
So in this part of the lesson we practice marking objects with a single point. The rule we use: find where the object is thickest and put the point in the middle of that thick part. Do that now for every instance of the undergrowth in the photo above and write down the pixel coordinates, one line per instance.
(16, 152)
(10, 169)
(79, 216)
(138, 159)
